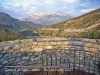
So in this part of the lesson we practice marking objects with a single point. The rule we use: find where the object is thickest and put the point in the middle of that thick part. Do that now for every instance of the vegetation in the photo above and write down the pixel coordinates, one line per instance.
(6, 35)
(89, 22)
(98, 66)
(28, 33)
(84, 21)
(94, 35)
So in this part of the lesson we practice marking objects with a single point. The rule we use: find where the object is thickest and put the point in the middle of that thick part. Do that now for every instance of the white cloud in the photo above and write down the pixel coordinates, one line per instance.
(27, 7)
(49, 2)
(70, 1)
(87, 10)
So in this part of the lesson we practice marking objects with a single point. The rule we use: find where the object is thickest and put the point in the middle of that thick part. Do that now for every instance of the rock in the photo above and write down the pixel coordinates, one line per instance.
(38, 49)
(17, 60)
(52, 43)
(21, 49)
(41, 43)
(1, 55)
(17, 47)
(6, 48)
(26, 48)
(16, 54)
(1, 60)
(47, 43)
(5, 62)
(66, 43)
(27, 57)
(19, 54)
(29, 54)
(31, 63)
(49, 47)
(35, 43)
(1, 49)
(37, 58)
(32, 59)
(59, 43)
(13, 59)
(21, 62)
(8, 73)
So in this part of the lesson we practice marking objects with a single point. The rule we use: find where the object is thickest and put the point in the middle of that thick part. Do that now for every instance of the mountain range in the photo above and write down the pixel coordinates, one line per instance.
(86, 20)
(9, 22)
(48, 18)
(86, 25)
(82, 26)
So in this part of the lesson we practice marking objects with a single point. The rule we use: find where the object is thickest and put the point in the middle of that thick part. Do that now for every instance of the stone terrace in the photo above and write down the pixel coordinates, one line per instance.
(83, 54)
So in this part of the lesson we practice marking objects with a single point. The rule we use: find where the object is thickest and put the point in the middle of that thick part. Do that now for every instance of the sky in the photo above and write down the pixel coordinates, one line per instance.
(21, 8)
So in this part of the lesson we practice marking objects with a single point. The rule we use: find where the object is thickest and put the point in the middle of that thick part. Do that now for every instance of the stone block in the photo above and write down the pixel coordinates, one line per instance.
(17, 60)
(47, 43)
(37, 58)
(38, 49)
(5, 62)
(11, 60)
(26, 48)
(1, 55)
(17, 47)
(1, 60)
(25, 57)
(30, 54)
(22, 62)
(41, 43)
(53, 43)
(1, 49)
(35, 43)
(66, 43)
(6, 48)
(49, 47)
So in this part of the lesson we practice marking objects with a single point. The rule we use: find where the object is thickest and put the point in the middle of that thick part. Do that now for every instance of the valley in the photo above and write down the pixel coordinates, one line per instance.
(75, 42)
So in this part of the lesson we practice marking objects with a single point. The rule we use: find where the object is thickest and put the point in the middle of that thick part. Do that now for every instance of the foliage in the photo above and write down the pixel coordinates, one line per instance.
(98, 65)
(28, 33)
(6, 35)
(94, 35)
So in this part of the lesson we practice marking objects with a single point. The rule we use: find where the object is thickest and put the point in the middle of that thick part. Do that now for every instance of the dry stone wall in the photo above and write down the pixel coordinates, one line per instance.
(48, 39)
(29, 54)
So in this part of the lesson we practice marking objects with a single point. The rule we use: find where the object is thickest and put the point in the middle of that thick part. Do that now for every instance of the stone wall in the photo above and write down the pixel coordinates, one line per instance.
(47, 39)
(27, 54)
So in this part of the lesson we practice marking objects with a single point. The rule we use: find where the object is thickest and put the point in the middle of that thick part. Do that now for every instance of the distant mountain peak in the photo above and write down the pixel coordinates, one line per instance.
(49, 13)
(48, 18)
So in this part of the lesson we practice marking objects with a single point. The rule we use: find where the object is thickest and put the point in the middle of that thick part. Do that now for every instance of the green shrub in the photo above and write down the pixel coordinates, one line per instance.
(98, 65)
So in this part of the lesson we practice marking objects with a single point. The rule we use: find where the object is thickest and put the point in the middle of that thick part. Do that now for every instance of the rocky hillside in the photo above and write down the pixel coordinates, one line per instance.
(88, 20)
(11, 23)
(86, 25)
(48, 18)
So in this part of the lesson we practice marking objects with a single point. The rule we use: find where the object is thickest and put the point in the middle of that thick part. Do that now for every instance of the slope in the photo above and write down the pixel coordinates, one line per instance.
(81, 22)
(6, 35)
(86, 25)
(11, 23)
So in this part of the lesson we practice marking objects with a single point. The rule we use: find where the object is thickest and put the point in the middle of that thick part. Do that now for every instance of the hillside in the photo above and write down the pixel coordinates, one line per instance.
(29, 33)
(86, 25)
(8, 22)
(6, 35)
(48, 18)
(84, 21)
